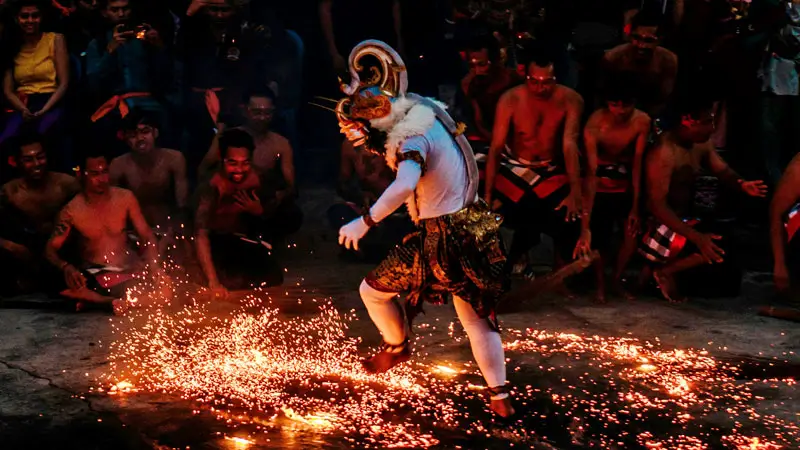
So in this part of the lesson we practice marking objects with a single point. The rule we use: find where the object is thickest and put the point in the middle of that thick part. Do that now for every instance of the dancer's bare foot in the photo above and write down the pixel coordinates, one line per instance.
(387, 357)
(564, 291)
(668, 287)
(600, 296)
(619, 290)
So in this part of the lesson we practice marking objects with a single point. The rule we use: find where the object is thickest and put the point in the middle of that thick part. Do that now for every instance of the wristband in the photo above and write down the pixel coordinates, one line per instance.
(369, 220)
(64, 266)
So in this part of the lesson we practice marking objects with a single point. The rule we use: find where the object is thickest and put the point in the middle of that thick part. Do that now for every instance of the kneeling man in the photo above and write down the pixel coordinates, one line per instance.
(232, 220)
(675, 238)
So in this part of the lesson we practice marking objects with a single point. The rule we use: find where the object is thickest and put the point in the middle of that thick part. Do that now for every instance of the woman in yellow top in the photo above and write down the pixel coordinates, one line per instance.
(35, 83)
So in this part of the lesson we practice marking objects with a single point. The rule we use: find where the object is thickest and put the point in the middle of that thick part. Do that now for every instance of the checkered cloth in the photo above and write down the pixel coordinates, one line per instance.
(517, 177)
(793, 222)
(660, 243)
(613, 177)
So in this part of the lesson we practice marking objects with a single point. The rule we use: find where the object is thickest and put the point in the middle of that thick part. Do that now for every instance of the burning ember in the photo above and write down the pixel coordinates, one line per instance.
(304, 372)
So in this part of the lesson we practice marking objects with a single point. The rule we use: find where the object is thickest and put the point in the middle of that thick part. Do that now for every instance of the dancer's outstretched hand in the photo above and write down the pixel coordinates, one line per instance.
(350, 234)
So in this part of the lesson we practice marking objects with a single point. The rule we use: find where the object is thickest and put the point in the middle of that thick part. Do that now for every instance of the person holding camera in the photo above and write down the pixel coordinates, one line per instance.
(128, 67)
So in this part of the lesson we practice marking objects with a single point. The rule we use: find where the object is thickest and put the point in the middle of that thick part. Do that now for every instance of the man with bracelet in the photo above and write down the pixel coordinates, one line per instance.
(98, 217)
(675, 239)
(456, 250)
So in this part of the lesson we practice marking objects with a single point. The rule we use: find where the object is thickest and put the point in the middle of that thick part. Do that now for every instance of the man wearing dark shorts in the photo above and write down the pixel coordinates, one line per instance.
(615, 139)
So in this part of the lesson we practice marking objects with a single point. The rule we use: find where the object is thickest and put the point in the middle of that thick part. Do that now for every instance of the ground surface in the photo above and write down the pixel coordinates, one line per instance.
(49, 360)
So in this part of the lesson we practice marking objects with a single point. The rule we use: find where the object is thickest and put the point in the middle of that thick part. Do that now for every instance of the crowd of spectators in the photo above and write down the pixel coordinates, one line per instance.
(186, 118)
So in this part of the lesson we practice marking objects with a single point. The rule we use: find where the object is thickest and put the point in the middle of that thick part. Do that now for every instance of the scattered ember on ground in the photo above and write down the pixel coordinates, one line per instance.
(256, 367)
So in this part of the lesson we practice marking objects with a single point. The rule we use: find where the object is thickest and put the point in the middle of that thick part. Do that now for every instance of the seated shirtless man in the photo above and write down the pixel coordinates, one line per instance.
(536, 180)
(230, 221)
(155, 175)
(785, 229)
(654, 68)
(363, 176)
(675, 240)
(28, 209)
(615, 138)
(273, 162)
(98, 218)
(487, 80)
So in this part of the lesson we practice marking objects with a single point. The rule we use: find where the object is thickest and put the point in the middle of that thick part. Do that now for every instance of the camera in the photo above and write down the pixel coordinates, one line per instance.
(139, 30)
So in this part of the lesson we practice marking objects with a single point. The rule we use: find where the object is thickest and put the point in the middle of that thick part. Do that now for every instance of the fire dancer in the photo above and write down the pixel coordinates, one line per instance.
(99, 216)
(456, 250)
(785, 225)
(675, 238)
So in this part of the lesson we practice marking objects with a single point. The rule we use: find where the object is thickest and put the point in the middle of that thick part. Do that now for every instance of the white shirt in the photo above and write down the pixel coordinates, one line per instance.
(443, 188)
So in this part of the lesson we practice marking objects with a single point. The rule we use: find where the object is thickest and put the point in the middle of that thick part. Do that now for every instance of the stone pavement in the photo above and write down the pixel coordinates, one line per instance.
(50, 358)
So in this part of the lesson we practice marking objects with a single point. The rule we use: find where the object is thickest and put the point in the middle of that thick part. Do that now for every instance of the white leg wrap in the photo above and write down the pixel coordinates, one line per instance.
(487, 347)
(385, 313)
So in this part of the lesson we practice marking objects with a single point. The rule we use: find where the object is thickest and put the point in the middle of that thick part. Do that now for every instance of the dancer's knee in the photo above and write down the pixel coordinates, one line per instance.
(473, 324)
(371, 295)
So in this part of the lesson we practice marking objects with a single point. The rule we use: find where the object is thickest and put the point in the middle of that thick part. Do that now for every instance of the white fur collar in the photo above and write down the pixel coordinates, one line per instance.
(408, 118)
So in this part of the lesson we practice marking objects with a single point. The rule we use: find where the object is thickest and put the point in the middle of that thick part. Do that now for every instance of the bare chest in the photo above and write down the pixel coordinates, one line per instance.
(688, 161)
(265, 158)
(538, 119)
(616, 142)
(40, 205)
(147, 178)
(95, 223)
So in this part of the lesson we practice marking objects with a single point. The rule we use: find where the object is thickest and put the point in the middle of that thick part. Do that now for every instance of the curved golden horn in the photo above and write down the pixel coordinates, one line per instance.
(391, 77)
(340, 114)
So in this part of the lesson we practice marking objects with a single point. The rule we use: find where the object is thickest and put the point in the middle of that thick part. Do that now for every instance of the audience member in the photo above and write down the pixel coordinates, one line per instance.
(128, 67)
(82, 24)
(28, 207)
(273, 161)
(155, 175)
(615, 139)
(98, 217)
(363, 176)
(37, 72)
(785, 228)
(676, 240)
(223, 56)
(780, 99)
(345, 23)
(654, 68)
(229, 224)
(485, 82)
(537, 177)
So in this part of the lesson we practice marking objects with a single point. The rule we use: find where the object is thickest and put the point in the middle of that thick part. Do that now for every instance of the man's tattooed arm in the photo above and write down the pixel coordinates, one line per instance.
(60, 234)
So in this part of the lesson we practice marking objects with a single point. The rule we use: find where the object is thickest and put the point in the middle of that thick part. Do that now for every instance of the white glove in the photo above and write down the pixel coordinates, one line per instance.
(350, 234)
